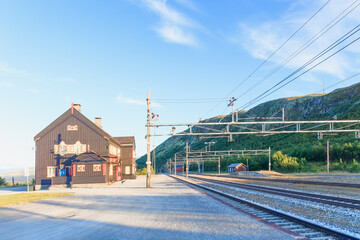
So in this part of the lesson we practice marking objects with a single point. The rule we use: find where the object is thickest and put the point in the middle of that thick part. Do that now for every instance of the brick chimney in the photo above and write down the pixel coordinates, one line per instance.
(77, 106)
(98, 122)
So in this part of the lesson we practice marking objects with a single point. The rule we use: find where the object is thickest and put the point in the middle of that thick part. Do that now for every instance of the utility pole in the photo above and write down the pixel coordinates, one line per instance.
(175, 165)
(247, 164)
(203, 167)
(328, 158)
(170, 165)
(148, 160)
(219, 165)
(269, 159)
(187, 159)
(283, 114)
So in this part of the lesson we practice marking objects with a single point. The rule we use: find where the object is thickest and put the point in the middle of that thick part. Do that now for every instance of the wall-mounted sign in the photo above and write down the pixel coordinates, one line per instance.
(72, 128)
(64, 148)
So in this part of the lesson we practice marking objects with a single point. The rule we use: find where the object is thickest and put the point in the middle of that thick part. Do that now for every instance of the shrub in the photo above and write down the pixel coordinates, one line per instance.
(353, 167)
(285, 162)
(2, 181)
(143, 171)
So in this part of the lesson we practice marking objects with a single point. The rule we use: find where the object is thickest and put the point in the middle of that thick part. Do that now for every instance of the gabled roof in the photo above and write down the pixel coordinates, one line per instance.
(236, 164)
(88, 157)
(78, 115)
(126, 140)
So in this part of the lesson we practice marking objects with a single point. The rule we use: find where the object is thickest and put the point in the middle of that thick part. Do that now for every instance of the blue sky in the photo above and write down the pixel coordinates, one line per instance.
(106, 55)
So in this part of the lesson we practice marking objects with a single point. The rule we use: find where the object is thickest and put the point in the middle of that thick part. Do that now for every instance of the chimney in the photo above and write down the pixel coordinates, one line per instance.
(98, 122)
(77, 106)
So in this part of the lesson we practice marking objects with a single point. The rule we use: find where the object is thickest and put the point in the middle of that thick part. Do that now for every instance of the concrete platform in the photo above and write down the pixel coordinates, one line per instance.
(169, 210)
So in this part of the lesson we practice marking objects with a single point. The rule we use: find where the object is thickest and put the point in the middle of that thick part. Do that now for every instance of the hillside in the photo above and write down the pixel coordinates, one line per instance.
(18, 175)
(343, 103)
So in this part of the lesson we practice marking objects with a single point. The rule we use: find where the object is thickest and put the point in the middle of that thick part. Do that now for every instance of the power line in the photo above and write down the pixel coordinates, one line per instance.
(341, 81)
(324, 30)
(266, 60)
(336, 43)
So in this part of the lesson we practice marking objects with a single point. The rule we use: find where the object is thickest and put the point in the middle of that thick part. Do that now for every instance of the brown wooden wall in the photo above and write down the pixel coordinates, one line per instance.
(127, 160)
(45, 145)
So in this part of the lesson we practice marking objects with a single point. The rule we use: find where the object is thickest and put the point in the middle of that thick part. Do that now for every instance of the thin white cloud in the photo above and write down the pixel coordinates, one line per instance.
(34, 90)
(6, 84)
(187, 3)
(6, 69)
(124, 100)
(174, 26)
(262, 39)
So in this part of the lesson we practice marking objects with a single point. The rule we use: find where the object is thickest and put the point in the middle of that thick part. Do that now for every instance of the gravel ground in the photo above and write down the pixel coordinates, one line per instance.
(169, 210)
(344, 219)
(328, 190)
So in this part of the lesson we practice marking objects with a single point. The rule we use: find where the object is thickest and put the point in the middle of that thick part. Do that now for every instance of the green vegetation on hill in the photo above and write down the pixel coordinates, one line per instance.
(290, 152)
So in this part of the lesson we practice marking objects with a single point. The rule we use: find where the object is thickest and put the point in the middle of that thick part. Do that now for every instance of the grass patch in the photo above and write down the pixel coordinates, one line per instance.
(27, 197)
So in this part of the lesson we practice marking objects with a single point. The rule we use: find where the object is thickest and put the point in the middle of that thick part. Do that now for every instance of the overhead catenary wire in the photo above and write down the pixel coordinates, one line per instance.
(323, 52)
(324, 30)
(307, 70)
(271, 55)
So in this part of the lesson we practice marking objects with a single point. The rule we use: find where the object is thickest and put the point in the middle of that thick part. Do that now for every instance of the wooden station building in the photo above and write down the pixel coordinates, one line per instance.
(75, 150)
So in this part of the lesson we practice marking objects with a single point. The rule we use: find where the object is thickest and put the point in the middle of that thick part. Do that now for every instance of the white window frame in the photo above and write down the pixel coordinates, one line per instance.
(97, 167)
(111, 170)
(127, 169)
(51, 171)
(80, 168)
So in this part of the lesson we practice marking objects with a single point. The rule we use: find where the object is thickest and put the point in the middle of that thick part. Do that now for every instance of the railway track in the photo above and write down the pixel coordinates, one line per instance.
(294, 181)
(296, 227)
(324, 199)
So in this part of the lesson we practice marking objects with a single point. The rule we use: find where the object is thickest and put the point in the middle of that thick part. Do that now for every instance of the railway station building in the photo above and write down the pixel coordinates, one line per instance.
(75, 150)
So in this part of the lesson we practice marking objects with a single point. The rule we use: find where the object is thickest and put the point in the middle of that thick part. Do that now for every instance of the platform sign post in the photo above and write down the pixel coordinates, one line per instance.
(26, 174)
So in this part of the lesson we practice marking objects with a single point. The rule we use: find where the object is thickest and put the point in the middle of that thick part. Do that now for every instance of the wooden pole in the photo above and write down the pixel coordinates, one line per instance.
(187, 159)
(148, 160)
(328, 158)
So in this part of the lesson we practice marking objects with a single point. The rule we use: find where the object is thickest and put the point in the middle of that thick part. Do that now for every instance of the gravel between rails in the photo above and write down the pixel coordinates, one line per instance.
(347, 220)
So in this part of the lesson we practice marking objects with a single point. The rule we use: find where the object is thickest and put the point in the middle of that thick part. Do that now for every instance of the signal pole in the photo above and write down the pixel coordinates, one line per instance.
(187, 159)
(148, 160)
(175, 165)
(327, 158)
(170, 166)
(219, 165)
(269, 159)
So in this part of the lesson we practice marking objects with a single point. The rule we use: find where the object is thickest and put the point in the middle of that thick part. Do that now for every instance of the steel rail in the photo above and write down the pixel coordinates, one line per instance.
(320, 228)
(333, 184)
(331, 200)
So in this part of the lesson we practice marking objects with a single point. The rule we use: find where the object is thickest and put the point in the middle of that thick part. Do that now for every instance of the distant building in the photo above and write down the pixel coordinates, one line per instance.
(237, 167)
(75, 150)
(128, 157)
(180, 168)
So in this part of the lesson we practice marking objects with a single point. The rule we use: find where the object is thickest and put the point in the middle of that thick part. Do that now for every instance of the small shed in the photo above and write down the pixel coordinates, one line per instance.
(179, 168)
(237, 167)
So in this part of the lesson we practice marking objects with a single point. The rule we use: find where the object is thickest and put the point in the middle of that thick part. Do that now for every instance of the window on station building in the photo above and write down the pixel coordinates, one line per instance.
(51, 171)
(111, 170)
(77, 148)
(62, 148)
(97, 167)
(81, 168)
